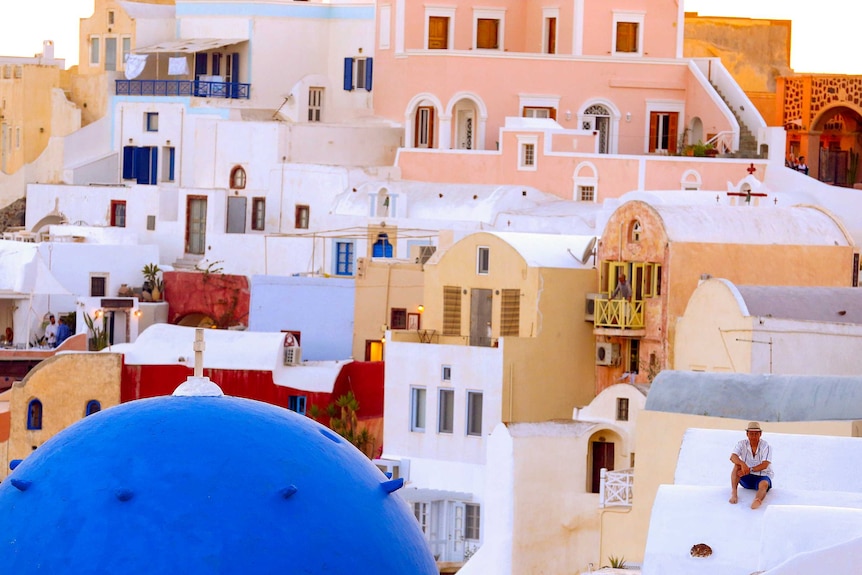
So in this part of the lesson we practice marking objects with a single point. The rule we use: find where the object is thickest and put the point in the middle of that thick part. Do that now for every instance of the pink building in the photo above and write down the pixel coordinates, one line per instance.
(512, 91)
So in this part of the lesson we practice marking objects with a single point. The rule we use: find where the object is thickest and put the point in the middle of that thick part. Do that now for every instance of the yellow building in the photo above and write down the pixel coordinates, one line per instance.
(105, 40)
(664, 251)
(57, 393)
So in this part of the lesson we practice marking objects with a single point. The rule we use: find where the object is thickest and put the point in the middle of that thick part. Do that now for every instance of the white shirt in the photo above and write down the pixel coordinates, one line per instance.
(764, 453)
(51, 332)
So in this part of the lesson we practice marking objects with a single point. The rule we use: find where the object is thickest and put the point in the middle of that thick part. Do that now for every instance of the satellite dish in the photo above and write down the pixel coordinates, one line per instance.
(588, 251)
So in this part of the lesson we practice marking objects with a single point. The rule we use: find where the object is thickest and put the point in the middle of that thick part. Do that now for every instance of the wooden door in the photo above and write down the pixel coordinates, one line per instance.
(438, 33)
(603, 456)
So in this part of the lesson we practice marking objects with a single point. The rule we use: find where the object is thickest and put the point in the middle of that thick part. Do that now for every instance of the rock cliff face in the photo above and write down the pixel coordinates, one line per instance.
(12, 215)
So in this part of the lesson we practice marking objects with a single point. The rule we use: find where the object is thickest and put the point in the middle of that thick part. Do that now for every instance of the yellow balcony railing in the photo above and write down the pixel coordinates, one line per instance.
(619, 313)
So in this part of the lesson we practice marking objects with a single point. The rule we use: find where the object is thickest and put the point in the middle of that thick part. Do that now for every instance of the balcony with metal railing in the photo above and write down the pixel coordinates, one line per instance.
(190, 88)
(615, 487)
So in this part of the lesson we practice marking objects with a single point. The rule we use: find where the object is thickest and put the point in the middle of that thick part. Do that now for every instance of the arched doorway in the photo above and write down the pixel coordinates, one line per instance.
(603, 449)
(696, 134)
(840, 131)
(598, 119)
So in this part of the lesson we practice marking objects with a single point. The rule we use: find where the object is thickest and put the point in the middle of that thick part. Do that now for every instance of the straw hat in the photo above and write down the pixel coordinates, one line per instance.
(753, 426)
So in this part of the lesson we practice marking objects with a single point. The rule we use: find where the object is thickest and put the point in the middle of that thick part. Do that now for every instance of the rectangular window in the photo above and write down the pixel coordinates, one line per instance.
(424, 137)
(151, 223)
(236, 214)
(472, 520)
(663, 131)
(398, 318)
(627, 37)
(151, 121)
(169, 157)
(98, 285)
(296, 403)
(446, 411)
(586, 193)
(488, 33)
(127, 47)
(95, 51)
(438, 32)
(118, 213)
(474, 413)
(540, 112)
(451, 310)
(344, 258)
(528, 156)
(111, 54)
(358, 73)
(622, 409)
(417, 409)
(315, 104)
(510, 312)
(446, 373)
(301, 215)
(110, 17)
(634, 355)
(258, 214)
(483, 260)
(550, 35)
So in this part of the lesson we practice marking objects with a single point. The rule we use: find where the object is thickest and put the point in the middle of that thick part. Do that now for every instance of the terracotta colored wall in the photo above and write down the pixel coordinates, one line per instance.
(224, 298)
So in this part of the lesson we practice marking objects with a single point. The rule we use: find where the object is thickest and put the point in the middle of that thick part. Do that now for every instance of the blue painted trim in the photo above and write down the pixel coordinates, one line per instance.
(253, 9)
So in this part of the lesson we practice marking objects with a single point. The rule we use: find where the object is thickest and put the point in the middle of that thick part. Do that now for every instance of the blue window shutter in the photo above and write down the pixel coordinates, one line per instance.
(128, 162)
(154, 164)
(368, 67)
(348, 74)
(142, 165)
(172, 154)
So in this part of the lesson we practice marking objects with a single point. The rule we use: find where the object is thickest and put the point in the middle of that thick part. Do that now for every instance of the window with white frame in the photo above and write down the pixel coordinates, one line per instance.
(627, 33)
(98, 284)
(315, 104)
(483, 260)
(446, 411)
(489, 29)
(690, 180)
(472, 521)
(126, 48)
(538, 106)
(151, 121)
(439, 27)
(420, 511)
(586, 194)
(474, 413)
(549, 31)
(417, 408)
(358, 73)
(258, 214)
(95, 50)
(446, 373)
(527, 152)
(663, 128)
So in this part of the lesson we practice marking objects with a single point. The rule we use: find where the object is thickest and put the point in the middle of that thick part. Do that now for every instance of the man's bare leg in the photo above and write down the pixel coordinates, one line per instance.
(734, 483)
(762, 487)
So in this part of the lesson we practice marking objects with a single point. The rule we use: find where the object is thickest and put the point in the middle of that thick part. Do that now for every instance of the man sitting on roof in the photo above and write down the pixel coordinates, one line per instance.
(751, 469)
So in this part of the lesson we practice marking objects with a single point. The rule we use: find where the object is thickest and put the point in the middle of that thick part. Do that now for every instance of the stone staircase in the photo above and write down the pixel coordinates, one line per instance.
(187, 263)
(747, 140)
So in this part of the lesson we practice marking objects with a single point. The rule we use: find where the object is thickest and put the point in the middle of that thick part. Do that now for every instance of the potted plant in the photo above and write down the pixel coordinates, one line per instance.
(153, 281)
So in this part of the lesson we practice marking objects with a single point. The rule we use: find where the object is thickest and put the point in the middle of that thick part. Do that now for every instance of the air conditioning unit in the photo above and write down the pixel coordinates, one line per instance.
(590, 306)
(292, 355)
(607, 353)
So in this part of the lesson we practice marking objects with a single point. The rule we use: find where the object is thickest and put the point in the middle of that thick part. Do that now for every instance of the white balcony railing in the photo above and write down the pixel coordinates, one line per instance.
(615, 488)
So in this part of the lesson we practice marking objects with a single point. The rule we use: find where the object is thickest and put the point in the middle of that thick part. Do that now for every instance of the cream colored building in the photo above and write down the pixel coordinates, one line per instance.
(503, 339)
(57, 393)
(770, 329)
(665, 250)
(678, 401)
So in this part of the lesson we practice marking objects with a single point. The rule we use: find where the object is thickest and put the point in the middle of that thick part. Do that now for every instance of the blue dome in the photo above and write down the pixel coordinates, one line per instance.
(204, 485)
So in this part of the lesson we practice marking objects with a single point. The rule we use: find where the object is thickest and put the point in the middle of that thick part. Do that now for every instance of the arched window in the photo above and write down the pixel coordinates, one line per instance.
(382, 248)
(237, 178)
(635, 230)
(34, 414)
(93, 406)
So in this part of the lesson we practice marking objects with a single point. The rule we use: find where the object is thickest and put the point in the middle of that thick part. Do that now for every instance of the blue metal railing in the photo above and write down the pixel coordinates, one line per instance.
(198, 88)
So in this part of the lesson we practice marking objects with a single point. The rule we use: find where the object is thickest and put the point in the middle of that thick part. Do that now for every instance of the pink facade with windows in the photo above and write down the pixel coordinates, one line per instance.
(609, 75)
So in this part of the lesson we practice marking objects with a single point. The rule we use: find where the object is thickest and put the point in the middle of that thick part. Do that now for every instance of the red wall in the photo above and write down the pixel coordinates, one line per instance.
(224, 298)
